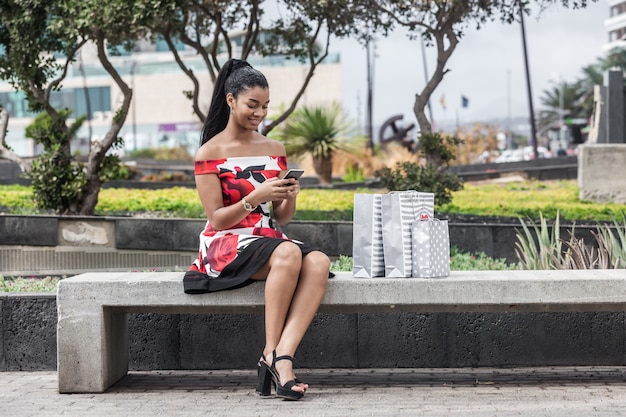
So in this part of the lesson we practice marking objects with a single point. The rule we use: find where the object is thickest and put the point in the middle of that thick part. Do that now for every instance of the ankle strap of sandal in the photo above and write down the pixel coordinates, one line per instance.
(283, 358)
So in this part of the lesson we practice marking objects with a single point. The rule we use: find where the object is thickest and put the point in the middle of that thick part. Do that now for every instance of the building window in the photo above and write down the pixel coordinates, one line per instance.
(15, 104)
(99, 100)
(618, 9)
(72, 98)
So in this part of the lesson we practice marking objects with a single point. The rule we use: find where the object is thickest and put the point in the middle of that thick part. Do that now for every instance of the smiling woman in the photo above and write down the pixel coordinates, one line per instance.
(240, 180)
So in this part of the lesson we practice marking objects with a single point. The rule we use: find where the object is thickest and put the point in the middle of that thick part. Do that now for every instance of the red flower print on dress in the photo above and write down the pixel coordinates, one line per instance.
(208, 167)
(222, 251)
(234, 189)
(267, 232)
(251, 219)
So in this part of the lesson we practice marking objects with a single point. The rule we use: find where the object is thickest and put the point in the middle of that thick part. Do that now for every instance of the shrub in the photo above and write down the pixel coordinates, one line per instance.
(47, 284)
(342, 264)
(432, 177)
(469, 261)
(57, 182)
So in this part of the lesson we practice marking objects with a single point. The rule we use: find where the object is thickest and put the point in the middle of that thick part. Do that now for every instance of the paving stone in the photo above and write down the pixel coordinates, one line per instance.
(450, 392)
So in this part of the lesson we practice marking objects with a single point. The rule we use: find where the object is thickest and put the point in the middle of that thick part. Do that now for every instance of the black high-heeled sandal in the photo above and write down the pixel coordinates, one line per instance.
(282, 390)
(264, 379)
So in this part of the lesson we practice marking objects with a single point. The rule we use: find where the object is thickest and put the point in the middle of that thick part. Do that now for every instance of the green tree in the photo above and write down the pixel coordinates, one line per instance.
(33, 34)
(567, 98)
(317, 131)
(302, 32)
(615, 58)
(440, 23)
(592, 76)
(56, 180)
(433, 176)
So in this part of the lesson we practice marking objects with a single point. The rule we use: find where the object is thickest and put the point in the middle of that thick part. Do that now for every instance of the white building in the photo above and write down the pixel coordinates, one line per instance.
(160, 113)
(616, 25)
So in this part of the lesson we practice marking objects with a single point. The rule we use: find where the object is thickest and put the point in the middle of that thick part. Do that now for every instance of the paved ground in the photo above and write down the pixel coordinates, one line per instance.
(554, 392)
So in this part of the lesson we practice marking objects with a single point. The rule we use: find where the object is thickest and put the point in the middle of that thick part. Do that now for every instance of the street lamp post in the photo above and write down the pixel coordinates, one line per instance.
(560, 86)
(371, 55)
(133, 67)
(533, 130)
(561, 116)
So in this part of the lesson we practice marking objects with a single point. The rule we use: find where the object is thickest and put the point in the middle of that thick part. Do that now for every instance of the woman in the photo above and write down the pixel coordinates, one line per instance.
(238, 175)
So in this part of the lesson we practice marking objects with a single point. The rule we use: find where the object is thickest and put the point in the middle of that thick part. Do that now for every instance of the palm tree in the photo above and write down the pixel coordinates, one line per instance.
(565, 97)
(592, 76)
(616, 57)
(317, 131)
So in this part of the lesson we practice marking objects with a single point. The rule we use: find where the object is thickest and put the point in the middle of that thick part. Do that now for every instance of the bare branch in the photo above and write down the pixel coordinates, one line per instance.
(122, 112)
(252, 31)
(6, 153)
(314, 62)
(188, 71)
(54, 84)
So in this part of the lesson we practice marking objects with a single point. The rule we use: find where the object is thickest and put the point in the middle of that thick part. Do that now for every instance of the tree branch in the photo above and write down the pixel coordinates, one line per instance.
(252, 31)
(314, 62)
(5, 152)
(196, 84)
(122, 112)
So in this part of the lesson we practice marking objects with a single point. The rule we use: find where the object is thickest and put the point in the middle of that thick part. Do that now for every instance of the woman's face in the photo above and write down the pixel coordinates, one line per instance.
(250, 107)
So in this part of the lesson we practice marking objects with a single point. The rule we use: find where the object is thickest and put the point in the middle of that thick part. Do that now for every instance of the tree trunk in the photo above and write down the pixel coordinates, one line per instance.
(99, 149)
(324, 169)
(440, 36)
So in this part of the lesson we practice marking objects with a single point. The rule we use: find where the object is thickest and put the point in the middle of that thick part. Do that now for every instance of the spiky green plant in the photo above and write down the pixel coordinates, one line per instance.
(546, 250)
(578, 255)
(617, 244)
(317, 131)
(541, 249)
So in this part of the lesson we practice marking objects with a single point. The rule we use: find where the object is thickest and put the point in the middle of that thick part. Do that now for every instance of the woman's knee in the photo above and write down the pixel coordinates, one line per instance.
(318, 263)
(287, 255)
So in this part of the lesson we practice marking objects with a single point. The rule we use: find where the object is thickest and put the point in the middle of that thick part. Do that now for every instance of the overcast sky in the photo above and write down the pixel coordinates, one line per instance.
(487, 67)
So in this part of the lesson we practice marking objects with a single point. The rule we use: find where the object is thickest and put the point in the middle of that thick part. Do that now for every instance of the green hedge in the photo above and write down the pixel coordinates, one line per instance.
(520, 199)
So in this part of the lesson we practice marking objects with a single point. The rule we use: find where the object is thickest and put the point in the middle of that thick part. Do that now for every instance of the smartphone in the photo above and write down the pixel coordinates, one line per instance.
(294, 173)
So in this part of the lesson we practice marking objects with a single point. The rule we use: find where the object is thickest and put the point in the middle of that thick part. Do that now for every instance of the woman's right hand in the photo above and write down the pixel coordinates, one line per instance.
(275, 189)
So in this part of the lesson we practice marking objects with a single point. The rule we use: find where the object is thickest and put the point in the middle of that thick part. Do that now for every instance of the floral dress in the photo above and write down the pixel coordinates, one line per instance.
(228, 258)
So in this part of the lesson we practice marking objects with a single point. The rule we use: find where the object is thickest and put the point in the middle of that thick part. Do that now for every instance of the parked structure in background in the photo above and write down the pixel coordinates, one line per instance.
(602, 160)
(608, 121)
(160, 114)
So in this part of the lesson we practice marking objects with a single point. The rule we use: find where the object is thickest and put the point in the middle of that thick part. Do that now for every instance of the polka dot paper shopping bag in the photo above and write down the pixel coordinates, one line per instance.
(431, 248)
(400, 209)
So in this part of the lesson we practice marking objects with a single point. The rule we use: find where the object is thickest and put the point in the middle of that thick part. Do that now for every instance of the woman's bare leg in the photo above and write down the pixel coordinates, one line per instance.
(281, 273)
(304, 305)
(294, 289)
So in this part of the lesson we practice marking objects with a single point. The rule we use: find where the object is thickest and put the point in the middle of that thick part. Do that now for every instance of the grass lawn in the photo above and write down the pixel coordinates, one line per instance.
(526, 199)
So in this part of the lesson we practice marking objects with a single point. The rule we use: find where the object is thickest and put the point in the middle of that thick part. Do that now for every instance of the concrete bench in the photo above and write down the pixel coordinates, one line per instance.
(92, 328)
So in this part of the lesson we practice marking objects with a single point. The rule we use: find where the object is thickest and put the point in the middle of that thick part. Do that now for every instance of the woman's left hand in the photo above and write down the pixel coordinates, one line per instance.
(292, 189)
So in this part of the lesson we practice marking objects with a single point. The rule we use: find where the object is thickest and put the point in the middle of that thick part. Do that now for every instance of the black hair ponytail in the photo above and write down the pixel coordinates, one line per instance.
(234, 77)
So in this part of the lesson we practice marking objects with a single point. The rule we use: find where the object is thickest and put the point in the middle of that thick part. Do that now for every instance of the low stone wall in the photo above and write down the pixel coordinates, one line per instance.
(374, 340)
(78, 244)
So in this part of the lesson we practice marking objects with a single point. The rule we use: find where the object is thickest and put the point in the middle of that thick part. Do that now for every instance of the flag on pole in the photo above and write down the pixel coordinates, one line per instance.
(464, 101)
(443, 101)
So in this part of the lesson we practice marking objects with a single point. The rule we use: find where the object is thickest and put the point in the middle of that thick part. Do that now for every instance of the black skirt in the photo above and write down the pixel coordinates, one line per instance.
(239, 272)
